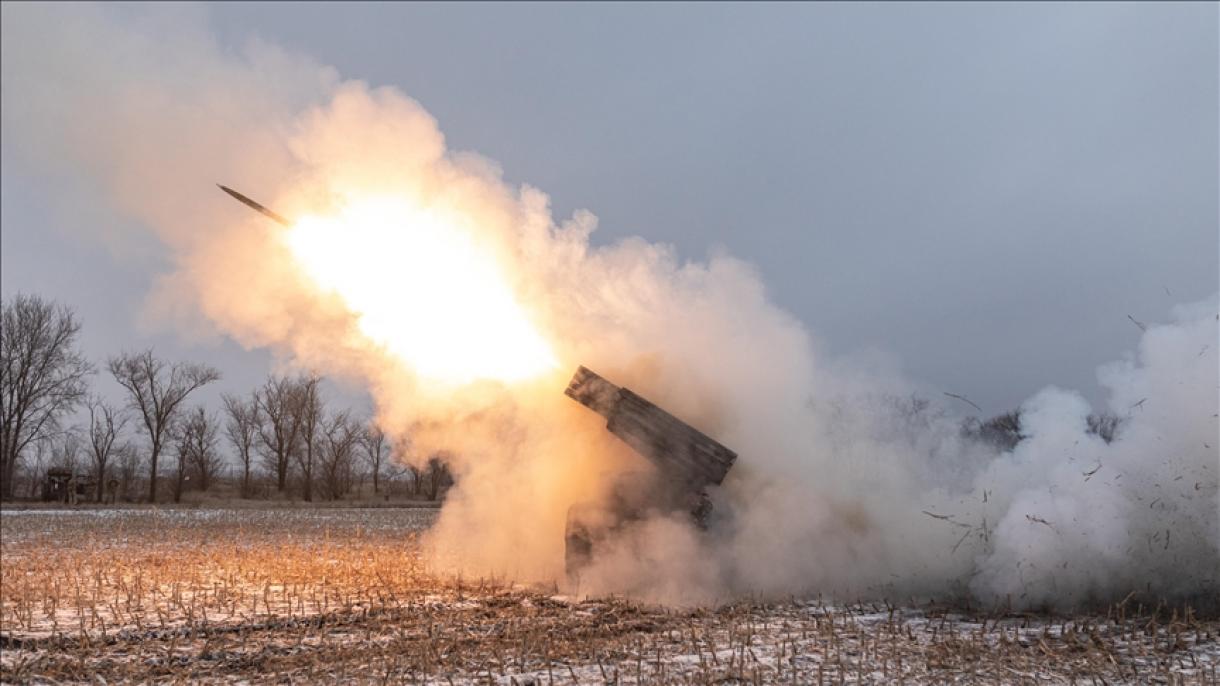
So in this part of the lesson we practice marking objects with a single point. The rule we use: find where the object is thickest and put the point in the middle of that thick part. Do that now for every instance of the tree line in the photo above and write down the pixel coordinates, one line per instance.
(283, 438)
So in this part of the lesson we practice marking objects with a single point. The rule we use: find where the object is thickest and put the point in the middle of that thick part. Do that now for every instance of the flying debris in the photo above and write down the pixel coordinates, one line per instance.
(277, 218)
(687, 463)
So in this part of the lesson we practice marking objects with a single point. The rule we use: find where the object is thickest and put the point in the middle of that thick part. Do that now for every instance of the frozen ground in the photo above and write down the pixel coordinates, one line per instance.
(242, 596)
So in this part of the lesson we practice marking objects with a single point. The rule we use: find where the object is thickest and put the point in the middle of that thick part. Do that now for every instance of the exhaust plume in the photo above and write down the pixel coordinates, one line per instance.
(464, 305)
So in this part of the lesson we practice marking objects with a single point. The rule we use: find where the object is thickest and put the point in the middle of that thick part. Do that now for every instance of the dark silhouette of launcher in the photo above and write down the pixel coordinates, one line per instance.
(687, 462)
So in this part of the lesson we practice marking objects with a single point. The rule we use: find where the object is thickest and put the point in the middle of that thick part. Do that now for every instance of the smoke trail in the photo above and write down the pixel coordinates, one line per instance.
(844, 486)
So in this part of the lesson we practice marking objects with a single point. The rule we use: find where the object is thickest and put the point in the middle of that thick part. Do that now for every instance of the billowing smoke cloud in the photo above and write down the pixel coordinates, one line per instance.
(846, 484)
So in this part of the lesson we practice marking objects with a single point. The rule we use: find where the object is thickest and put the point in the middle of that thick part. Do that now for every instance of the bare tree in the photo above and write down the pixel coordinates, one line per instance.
(439, 478)
(36, 468)
(341, 436)
(128, 459)
(182, 451)
(376, 449)
(401, 465)
(198, 436)
(66, 455)
(156, 390)
(66, 451)
(279, 425)
(242, 428)
(311, 408)
(42, 376)
(106, 422)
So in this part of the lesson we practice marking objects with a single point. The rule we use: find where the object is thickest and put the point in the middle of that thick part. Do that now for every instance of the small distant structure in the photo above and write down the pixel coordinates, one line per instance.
(65, 486)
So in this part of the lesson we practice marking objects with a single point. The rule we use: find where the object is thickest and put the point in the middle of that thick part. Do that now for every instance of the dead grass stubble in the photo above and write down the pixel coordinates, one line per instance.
(345, 596)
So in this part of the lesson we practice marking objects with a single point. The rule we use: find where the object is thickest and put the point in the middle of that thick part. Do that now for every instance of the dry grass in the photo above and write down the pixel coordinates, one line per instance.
(343, 596)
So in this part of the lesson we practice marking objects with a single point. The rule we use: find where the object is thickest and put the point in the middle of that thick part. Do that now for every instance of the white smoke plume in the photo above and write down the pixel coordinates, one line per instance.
(466, 327)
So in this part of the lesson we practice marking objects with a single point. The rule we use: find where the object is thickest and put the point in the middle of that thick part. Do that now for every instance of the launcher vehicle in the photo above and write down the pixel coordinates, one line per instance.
(687, 463)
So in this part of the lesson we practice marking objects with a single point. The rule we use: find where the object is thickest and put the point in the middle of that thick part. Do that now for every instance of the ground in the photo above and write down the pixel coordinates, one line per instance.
(344, 595)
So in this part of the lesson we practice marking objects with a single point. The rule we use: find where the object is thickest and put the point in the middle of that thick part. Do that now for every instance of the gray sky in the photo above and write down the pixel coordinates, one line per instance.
(984, 192)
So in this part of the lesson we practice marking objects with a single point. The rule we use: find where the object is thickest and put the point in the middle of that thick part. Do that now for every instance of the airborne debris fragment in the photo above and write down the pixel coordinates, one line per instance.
(964, 399)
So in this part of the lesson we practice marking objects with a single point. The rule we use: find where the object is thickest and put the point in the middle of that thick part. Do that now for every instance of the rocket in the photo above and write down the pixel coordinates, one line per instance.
(277, 218)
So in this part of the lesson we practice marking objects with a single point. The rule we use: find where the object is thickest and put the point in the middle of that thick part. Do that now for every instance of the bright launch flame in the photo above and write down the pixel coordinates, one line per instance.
(422, 287)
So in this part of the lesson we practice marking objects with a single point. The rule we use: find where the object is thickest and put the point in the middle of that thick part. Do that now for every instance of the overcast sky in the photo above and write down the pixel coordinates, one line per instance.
(984, 192)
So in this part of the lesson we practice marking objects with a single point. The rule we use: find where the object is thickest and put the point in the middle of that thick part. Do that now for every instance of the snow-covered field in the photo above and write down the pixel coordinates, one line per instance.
(343, 595)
